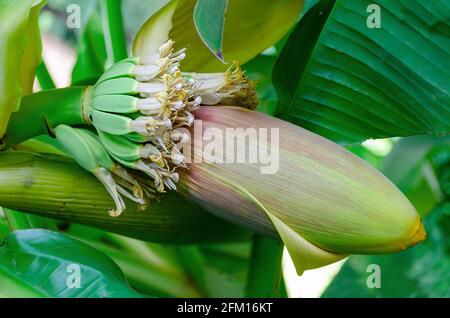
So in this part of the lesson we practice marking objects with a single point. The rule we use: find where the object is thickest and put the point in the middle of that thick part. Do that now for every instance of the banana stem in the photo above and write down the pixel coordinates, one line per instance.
(113, 29)
(194, 264)
(265, 268)
(57, 187)
(39, 113)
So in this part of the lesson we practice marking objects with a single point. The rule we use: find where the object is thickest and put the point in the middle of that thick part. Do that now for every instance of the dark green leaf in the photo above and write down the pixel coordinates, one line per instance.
(40, 263)
(348, 82)
(209, 20)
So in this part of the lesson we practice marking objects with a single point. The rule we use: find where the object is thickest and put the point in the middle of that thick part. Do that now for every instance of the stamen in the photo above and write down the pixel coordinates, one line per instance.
(170, 184)
(125, 177)
(177, 158)
(178, 135)
(106, 179)
(148, 150)
(166, 48)
(159, 101)
(152, 173)
(178, 105)
(130, 196)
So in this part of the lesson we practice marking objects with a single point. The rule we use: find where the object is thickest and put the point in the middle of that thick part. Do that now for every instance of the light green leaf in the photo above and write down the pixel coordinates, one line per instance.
(209, 19)
(251, 26)
(20, 53)
(348, 82)
(39, 263)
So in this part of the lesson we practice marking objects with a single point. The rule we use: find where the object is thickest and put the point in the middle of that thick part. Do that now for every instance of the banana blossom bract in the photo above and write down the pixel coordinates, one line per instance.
(324, 202)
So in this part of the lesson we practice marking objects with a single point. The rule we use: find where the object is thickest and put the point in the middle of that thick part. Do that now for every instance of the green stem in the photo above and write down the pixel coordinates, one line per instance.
(114, 30)
(56, 187)
(283, 290)
(193, 262)
(265, 268)
(40, 112)
(44, 77)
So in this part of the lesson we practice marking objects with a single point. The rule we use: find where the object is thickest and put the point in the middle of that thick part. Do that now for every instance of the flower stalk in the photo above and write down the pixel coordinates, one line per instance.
(322, 202)
(57, 187)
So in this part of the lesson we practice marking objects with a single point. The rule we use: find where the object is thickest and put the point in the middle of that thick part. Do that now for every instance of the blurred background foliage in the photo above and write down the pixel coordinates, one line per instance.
(418, 165)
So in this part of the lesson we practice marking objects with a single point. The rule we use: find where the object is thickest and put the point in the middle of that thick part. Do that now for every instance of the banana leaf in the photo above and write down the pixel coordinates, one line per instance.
(250, 27)
(348, 80)
(41, 263)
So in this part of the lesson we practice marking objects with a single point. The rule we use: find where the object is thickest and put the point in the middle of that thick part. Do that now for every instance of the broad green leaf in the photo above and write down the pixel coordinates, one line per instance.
(251, 26)
(209, 20)
(20, 53)
(41, 263)
(348, 82)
